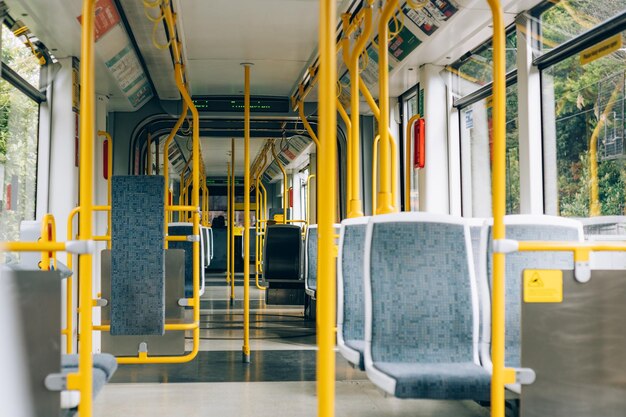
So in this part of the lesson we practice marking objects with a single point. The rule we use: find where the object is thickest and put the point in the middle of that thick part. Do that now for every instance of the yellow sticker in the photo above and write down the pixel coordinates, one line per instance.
(543, 286)
(601, 49)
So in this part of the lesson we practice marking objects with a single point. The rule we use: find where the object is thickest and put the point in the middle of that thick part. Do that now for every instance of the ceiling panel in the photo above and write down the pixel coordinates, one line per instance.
(216, 153)
(278, 36)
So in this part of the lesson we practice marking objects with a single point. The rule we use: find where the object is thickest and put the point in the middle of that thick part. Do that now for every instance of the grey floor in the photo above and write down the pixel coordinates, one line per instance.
(279, 381)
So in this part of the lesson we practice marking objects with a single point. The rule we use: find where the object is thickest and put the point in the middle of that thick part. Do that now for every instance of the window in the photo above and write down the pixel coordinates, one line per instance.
(583, 107)
(476, 156)
(566, 19)
(412, 105)
(19, 117)
(474, 69)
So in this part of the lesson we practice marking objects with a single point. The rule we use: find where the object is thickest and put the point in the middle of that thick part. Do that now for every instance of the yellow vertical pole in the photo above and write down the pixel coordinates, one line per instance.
(355, 206)
(409, 169)
(83, 380)
(285, 184)
(499, 203)
(385, 193)
(231, 221)
(166, 167)
(246, 216)
(327, 175)
(228, 224)
(109, 139)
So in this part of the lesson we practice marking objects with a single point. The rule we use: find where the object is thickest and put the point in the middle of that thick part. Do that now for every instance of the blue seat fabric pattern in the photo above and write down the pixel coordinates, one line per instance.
(423, 311)
(188, 248)
(515, 265)
(137, 256)
(312, 259)
(439, 381)
(353, 252)
(103, 361)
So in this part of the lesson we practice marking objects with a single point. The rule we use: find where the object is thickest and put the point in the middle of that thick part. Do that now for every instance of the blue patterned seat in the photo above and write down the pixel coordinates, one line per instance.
(310, 259)
(350, 291)
(186, 229)
(421, 315)
(520, 227)
(137, 255)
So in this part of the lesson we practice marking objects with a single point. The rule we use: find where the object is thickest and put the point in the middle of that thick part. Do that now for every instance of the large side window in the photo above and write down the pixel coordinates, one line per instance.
(470, 80)
(476, 156)
(19, 117)
(584, 126)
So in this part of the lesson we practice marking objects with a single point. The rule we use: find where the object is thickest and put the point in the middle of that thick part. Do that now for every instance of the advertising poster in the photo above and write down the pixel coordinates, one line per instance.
(403, 44)
(441, 10)
(422, 19)
(119, 56)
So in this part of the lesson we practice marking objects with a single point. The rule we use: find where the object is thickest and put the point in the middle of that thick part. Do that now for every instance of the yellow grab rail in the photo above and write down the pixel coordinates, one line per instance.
(375, 171)
(48, 234)
(386, 199)
(308, 198)
(231, 221)
(109, 140)
(259, 211)
(166, 166)
(246, 217)
(351, 58)
(500, 376)
(228, 202)
(327, 159)
(408, 169)
(285, 183)
(83, 379)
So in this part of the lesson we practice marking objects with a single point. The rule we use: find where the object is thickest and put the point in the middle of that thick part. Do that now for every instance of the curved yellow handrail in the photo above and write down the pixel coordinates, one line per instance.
(285, 183)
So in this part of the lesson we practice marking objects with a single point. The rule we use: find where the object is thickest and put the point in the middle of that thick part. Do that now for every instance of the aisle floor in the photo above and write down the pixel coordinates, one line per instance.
(279, 381)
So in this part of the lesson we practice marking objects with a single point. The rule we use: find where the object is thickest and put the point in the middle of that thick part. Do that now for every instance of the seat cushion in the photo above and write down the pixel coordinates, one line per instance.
(102, 361)
(359, 346)
(450, 381)
(99, 378)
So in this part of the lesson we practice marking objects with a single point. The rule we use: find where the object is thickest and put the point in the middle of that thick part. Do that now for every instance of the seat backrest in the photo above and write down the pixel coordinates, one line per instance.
(282, 252)
(310, 258)
(350, 290)
(30, 307)
(137, 255)
(251, 245)
(520, 227)
(186, 229)
(604, 225)
(420, 290)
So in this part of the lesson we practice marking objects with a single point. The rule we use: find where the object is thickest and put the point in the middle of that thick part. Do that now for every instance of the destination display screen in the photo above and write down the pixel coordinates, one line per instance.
(235, 104)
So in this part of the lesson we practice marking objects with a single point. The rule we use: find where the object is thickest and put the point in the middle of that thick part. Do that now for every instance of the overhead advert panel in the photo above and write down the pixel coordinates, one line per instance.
(235, 104)
(114, 46)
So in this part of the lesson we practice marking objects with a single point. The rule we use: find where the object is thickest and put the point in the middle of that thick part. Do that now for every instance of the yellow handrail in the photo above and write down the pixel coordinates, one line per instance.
(375, 171)
(166, 166)
(48, 234)
(308, 198)
(285, 184)
(246, 217)
(386, 199)
(231, 221)
(82, 380)
(408, 169)
(259, 210)
(326, 305)
(110, 172)
(351, 58)
(228, 228)
(500, 377)
(307, 125)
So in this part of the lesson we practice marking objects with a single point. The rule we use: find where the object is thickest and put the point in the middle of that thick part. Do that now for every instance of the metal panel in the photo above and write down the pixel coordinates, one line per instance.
(577, 349)
(36, 295)
(171, 343)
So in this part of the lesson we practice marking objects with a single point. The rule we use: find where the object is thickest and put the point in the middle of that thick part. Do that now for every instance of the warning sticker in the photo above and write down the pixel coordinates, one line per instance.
(543, 286)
